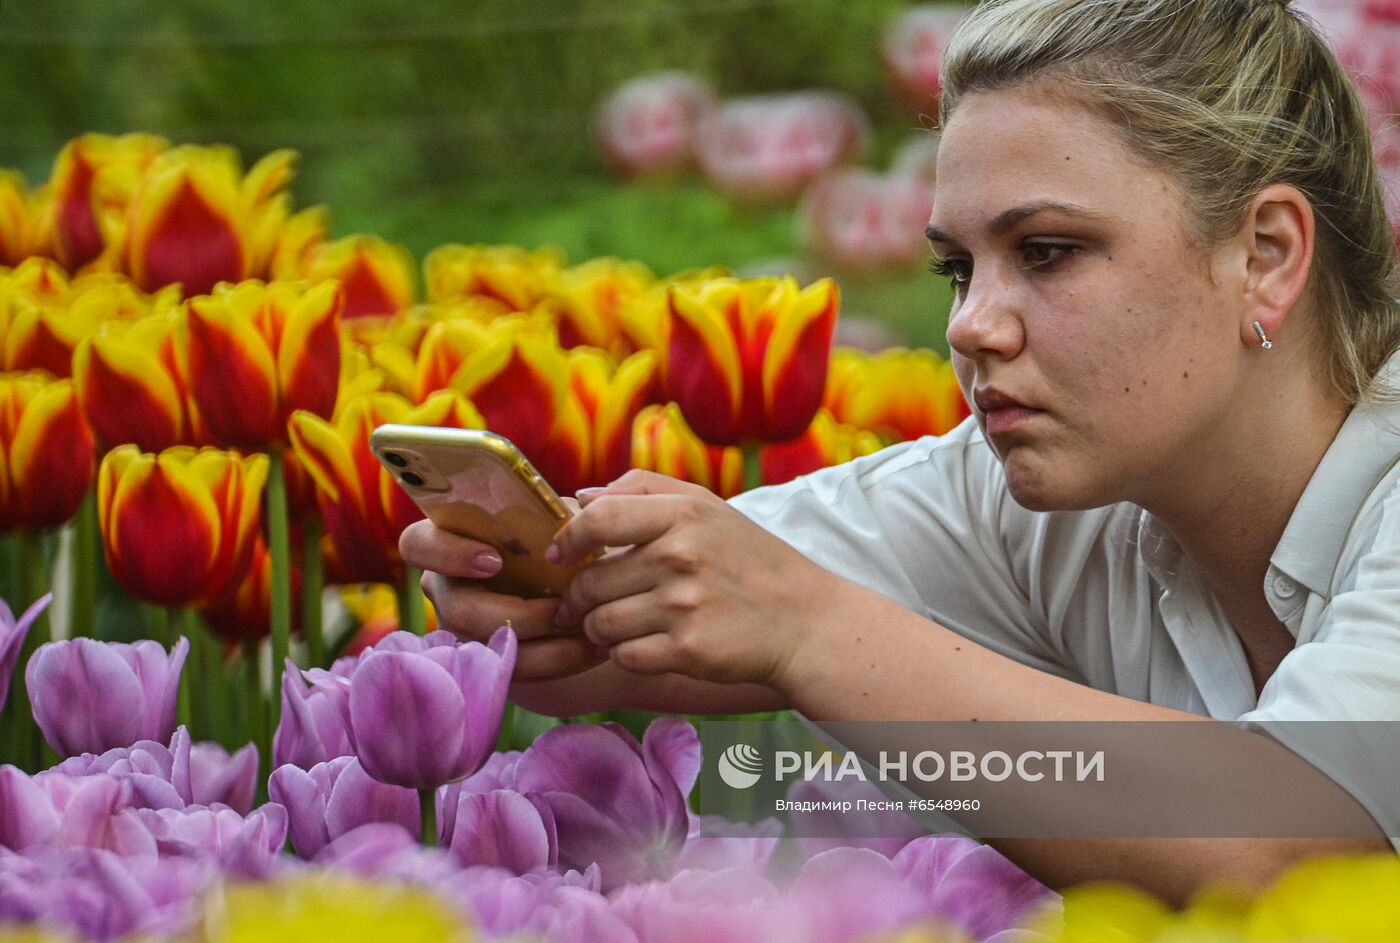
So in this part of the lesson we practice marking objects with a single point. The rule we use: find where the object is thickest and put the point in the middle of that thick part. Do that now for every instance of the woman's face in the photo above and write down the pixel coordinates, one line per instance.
(1097, 342)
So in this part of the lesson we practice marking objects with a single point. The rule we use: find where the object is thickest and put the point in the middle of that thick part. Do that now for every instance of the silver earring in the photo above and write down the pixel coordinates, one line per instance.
(1264, 341)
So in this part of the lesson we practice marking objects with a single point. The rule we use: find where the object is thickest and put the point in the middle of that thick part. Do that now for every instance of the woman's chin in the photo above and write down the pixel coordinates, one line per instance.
(1038, 488)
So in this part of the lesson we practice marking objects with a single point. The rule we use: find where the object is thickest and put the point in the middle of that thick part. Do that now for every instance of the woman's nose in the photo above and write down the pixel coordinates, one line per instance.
(984, 323)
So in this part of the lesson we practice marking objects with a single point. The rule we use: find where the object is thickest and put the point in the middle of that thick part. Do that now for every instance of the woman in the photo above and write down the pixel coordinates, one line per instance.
(1174, 498)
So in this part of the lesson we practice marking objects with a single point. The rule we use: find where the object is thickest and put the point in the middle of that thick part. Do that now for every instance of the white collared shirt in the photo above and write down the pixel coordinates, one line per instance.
(1107, 598)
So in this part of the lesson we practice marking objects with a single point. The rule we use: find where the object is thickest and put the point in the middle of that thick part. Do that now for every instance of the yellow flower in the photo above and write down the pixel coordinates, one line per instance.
(198, 220)
(899, 394)
(331, 908)
(508, 276)
(1356, 900)
(377, 276)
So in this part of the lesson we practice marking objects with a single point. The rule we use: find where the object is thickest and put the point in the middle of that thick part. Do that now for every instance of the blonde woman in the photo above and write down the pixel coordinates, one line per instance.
(1176, 498)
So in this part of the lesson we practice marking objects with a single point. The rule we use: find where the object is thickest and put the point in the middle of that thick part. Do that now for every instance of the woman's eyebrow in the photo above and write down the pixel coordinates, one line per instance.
(1009, 218)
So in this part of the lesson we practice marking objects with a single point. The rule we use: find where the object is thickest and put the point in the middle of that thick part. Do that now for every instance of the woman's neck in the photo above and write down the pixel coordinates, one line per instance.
(1229, 503)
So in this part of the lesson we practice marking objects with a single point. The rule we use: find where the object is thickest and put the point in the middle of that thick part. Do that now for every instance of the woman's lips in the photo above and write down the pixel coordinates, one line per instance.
(1001, 412)
(1007, 419)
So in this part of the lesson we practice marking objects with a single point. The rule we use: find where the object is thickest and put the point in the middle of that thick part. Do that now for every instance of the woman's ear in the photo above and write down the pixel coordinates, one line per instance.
(1278, 233)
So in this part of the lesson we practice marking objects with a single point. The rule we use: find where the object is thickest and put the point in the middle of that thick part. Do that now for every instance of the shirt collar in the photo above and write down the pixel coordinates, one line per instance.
(1365, 448)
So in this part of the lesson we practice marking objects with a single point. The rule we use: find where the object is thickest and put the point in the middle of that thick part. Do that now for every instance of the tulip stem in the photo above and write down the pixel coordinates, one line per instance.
(427, 813)
(184, 704)
(412, 618)
(82, 599)
(258, 732)
(28, 745)
(279, 549)
(158, 625)
(313, 584)
(753, 466)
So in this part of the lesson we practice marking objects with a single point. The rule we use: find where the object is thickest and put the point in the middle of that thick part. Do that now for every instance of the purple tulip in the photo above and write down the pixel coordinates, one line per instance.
(174, 776)
(101, 896)
(973, 886)
(717, 844)
(503, 829)
(217, 778)
(245, 847)
(737, 905)
(872, 826)
(12, 636)
(91, 696)
(615, 802)
(848, 894)
(312, 729)
(27, 814)
(551, 907)
(420, 719)
(334, 798)
(387, 852)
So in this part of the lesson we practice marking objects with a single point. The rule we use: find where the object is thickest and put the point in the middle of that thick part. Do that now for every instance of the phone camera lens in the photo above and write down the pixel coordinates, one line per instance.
(395, 459)
(412, 479)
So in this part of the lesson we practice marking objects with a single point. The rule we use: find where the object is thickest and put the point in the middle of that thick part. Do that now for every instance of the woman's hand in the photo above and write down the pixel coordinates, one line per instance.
(699, 588)
(454, 569)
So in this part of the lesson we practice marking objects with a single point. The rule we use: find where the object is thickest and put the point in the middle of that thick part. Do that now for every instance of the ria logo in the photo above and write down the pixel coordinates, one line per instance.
(740, 766)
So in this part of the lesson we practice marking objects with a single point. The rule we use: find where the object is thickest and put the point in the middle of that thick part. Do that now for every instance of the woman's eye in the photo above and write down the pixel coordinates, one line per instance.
(957, 271)
(1041, 255)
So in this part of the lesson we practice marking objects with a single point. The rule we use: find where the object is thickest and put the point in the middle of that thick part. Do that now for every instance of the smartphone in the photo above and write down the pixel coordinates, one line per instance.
(478, 484)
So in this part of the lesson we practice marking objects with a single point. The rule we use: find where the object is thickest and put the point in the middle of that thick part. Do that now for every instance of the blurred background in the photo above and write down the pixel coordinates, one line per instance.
(474, 121)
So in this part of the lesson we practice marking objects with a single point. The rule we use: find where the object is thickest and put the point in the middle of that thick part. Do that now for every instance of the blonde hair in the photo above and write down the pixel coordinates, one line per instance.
(1227, 96)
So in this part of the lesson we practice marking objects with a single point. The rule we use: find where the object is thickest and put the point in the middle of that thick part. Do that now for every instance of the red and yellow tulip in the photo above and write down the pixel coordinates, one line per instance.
(826, 442)
(747, 358)
(588, 300)
(662, 442)
(197, 220)
(89, 192)
(592, 443)
(360, 504)
(510, 277)
(46, 452)
(299, 236)
(256, 353)
(131, 386)
(376, 276)
(512, 369)
(898, 394)
(18, 228)
(195, 506)
(243, 611)
(44, 334)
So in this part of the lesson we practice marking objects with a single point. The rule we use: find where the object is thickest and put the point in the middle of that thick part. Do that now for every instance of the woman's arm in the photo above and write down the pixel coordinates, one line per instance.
(927, 672)
(608, 687)
(704, 593)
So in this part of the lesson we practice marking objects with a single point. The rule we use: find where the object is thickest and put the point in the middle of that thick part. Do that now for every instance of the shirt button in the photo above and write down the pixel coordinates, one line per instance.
(1284, 587)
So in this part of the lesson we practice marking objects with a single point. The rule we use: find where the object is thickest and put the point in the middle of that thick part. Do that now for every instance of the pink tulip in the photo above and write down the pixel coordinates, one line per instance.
(862, 220)
(770, 147)
(912, 49)
(648, 125)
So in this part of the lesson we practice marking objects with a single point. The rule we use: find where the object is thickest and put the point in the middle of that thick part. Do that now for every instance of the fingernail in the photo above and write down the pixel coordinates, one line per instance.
(588, 492)
(487, 562)
(552, 554)
(563, 617)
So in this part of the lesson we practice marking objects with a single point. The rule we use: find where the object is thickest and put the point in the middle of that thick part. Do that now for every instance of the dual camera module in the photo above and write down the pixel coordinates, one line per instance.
(398, 461)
